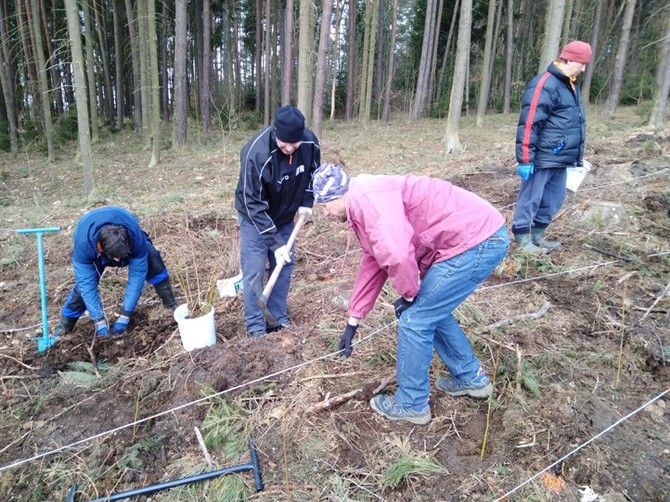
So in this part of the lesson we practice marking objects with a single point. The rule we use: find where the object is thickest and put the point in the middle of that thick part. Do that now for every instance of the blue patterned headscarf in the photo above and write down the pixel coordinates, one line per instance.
(329, 182)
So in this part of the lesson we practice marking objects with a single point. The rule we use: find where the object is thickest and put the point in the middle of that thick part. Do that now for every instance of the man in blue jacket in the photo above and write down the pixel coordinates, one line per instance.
(112, 237)
(276, 168)
(549, 138)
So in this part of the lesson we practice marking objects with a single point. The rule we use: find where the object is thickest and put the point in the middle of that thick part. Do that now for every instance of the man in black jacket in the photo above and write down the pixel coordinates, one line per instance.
(276, 168)
(549, 139)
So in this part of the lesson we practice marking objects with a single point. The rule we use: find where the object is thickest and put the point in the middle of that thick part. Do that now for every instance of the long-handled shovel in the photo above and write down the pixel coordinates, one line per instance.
(256, 283)
(253, 466)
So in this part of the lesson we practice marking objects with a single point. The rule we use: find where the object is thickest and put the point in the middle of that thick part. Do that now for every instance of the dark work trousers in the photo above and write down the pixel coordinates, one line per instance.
(540, 197)
(255, 255)
(156, 273)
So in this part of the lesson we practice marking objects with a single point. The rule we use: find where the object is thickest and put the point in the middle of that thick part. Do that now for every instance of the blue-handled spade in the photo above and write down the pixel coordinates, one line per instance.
(45, 341)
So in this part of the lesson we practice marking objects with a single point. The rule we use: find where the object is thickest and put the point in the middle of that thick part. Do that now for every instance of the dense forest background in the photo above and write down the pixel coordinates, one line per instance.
(148, 64)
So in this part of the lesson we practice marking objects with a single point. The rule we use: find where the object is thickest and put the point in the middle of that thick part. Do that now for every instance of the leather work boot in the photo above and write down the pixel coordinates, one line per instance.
(65, 325)
(525, 243)
(538, 239)
(164, 291)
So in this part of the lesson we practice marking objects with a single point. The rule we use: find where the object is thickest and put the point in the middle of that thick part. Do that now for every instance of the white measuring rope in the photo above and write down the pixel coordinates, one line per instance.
(625, 181)
(623, 419)
(172, 410)
(260, 379)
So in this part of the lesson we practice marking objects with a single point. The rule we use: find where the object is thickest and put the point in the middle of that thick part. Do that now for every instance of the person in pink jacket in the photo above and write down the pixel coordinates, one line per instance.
(436, 243)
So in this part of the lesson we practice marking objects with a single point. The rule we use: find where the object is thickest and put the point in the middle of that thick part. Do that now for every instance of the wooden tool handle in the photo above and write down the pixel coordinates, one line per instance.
(279, 266)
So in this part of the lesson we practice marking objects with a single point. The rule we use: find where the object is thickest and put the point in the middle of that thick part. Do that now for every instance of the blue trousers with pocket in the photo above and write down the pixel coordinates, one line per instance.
(540, 197)
(254, 257)
(429, 324)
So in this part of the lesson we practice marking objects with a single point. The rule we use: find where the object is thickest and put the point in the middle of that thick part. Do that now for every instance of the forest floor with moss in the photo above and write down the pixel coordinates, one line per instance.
(118, 414)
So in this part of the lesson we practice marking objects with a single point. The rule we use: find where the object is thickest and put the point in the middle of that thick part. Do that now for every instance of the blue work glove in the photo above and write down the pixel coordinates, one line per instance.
(345, 340)
(101, 328)
(120, 325)
(400, 305)
(525, 170)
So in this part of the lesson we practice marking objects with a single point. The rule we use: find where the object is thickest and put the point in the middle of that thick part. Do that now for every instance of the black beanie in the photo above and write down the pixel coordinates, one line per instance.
(289, 124)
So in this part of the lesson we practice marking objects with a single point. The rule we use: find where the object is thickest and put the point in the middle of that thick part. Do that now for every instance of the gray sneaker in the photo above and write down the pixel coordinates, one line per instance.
(386, 406)
(479, 387)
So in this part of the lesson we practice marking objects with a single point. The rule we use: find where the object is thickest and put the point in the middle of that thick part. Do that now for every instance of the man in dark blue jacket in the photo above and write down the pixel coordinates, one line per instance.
(112, 237)
(276, 168)
(549, 138)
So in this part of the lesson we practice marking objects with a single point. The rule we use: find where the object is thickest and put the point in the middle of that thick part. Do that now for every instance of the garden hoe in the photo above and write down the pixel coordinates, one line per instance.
(253, 466)
(265, 293)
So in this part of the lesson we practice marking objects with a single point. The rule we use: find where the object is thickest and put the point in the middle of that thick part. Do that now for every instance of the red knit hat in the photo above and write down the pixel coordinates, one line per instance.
(576, 51)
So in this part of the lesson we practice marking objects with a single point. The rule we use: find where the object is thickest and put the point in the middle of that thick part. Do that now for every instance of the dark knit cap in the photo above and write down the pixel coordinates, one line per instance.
(289, 124)
(576, 51)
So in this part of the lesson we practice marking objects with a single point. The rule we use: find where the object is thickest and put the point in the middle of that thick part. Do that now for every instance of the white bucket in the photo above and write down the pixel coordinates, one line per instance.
(576, 175)
(195, 332)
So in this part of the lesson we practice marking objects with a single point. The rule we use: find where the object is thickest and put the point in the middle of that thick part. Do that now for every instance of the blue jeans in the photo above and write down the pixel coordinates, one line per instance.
(254, 257)
(430, 324)
(540, 197)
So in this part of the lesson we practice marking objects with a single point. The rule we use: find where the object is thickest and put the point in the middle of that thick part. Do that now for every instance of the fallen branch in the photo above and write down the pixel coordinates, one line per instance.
(20, 362)
(331, 402)
(533, 315)
(203, 448)
(384, 383)
(613, 255)
(660, 297)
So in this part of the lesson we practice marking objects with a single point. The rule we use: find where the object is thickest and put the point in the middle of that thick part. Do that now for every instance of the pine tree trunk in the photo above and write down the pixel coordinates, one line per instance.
(485, 83)
(451, 141)
(165, 58)
(305, 42)
(7, 83)
(180, 90)
(154, 90)
(102, 44)
(621, 56)
(334, 57)
(433, 59)
(657, 118)
(509, 54)
(567, 23)
(258, 55)
(445, 56)
(90, 74)
(72, 11)
(287, 68)
(368, 61)
(420, 95)
(145, 80)
(268, 63)
(351, 62)
(205, 94)
(42, 79)
(321, 66)
(588, 74)
(135, 58)
(118, 62)
(55, 83)
(552, 33)
(386, 114)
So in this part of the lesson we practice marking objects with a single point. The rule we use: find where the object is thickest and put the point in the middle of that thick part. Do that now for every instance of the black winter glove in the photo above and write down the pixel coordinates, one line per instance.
(345, 340)
(400, 305)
